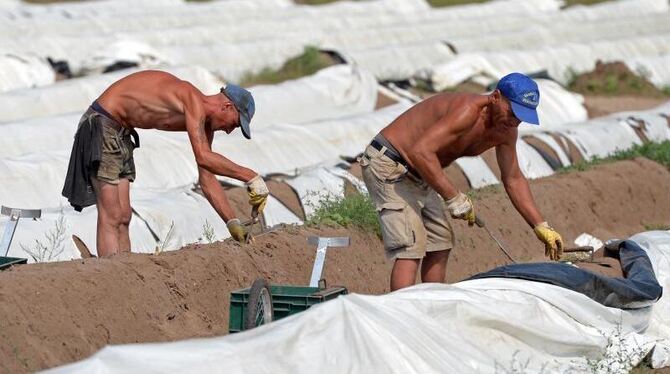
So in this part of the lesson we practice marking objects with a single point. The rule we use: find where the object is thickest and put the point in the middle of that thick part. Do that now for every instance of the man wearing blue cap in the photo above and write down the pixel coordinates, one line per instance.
(403, 171)
(102, 166)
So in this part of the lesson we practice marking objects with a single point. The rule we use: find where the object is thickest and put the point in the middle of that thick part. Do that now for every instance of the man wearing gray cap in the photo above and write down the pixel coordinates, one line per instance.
(101, 164)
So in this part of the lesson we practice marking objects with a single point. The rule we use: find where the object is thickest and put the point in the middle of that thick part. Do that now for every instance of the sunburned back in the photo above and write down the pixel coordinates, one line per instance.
(148, 100)
(410, 127)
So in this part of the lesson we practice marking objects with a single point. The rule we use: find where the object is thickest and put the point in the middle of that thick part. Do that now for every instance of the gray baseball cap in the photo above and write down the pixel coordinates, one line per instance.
(244, 103)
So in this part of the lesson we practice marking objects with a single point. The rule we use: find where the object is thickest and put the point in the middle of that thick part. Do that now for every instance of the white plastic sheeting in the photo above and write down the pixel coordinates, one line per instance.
(553, 144)
(559, 60)
(126, 51)
(532, 165)
(75, 95)
(478, 173)
(24, 71)
(656, 69)
(370, 32)
(429, 328)
(557, 107)
(338, 91)
(601, 138)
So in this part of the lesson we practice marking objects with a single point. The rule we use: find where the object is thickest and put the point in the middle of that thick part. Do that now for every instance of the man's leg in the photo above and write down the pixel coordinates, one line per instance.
(440, 240)
(126, 215)
(109, 217)
(434, 266)
(404, 273)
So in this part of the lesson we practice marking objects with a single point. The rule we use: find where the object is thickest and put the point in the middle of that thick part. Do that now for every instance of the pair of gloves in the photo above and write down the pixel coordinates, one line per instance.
(461, 207)
(258, 198)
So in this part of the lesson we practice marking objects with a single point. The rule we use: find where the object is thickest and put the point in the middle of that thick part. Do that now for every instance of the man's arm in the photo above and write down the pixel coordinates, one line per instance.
(213, 191)
(515, 183)
(424, 156)
(202, 149)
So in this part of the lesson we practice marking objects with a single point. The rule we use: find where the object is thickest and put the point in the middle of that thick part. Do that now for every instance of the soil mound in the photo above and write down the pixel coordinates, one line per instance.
(614, 78)
(57, 313)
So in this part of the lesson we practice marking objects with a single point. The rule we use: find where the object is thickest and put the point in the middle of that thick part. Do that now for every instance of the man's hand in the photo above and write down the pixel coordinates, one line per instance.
(461, 207)
(553, 243)
(237, 230)
(258, 195)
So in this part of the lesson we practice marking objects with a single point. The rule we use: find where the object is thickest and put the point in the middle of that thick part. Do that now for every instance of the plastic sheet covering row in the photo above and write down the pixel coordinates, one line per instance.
(560, 60)
(430, 328)
(24, 71)
(182, 38)
(338, 91)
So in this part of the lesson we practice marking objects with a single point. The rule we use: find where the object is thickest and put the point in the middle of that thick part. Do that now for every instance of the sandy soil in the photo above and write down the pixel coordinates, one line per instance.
(62, 312)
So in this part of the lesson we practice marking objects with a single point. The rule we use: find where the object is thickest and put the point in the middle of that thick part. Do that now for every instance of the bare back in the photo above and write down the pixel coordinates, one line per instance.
(149, 100)
(469, 112)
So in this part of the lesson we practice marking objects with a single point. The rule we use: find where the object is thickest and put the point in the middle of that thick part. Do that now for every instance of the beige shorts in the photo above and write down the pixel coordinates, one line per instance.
(117, 160)
(411, 214)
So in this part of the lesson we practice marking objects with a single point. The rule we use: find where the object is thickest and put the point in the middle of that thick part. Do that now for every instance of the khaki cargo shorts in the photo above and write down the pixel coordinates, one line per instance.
(117, 160)
(411, 213)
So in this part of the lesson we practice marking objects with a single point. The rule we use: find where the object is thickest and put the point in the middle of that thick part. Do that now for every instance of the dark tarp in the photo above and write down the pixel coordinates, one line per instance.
(638, 289)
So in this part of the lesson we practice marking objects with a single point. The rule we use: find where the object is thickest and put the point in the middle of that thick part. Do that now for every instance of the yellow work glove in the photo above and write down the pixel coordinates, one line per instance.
(553, 243)
(461, 207)
(237, 230)
(258, 195)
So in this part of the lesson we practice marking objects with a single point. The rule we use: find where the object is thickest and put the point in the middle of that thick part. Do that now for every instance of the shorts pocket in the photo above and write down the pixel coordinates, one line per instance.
(396, 230)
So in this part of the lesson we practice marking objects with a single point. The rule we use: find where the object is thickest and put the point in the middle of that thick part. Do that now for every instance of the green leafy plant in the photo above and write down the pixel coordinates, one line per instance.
(355, 210)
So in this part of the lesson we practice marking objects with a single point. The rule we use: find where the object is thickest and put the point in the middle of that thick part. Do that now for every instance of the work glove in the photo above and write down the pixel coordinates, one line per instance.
(461, 207)
(258, 195)
(237, 230)
(553, 243)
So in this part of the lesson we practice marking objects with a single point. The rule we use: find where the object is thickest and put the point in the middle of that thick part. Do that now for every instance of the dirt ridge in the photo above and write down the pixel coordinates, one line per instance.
(57, 313)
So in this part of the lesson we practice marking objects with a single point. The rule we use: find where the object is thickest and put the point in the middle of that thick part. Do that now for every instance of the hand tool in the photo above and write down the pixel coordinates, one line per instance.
(479, 222)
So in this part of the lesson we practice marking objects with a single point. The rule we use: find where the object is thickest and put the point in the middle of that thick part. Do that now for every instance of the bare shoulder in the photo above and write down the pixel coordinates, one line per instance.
(462, 103)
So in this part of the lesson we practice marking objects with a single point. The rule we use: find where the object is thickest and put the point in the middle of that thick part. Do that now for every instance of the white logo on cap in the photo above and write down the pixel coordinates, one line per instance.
(530, 98)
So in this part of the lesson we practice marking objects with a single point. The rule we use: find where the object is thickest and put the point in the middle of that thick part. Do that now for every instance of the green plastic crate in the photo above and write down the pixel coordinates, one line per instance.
(6, 262)
(286, 300)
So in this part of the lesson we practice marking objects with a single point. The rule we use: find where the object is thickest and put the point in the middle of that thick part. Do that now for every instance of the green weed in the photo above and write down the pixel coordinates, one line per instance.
(309, 62)
(355, 210)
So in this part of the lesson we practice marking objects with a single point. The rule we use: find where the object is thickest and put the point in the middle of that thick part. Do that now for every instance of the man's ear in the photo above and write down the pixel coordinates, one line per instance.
(495, 97)
(226, 106)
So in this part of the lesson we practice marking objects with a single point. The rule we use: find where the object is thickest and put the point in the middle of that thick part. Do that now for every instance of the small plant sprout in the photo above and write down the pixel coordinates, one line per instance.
(162, 245)
(208, 232)
(53, 244)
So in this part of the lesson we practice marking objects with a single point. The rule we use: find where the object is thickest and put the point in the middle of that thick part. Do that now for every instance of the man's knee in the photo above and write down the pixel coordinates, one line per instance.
(126, 216)
(111, 217)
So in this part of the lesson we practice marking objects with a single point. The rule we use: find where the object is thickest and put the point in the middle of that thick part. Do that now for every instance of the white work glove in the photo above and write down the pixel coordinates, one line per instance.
(258, 195)
(461, 207)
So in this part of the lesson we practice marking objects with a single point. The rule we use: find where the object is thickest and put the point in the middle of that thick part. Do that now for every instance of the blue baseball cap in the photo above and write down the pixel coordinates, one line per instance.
(244, 103)
(523, 94)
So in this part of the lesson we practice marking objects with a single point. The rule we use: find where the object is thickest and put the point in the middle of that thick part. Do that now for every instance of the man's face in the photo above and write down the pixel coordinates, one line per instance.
(503, 114)
(227, 119)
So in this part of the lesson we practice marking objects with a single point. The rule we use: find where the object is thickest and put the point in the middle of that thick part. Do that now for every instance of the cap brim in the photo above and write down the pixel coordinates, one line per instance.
(525, 113)
(244, 125)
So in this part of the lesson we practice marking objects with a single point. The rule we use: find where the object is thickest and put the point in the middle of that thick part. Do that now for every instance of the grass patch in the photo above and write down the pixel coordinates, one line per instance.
(308, 63)
(354, 210)
(659, 152)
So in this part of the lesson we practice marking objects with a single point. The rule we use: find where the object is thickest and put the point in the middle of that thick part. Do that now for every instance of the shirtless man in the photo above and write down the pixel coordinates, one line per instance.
(403, 171)
(102, 167)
